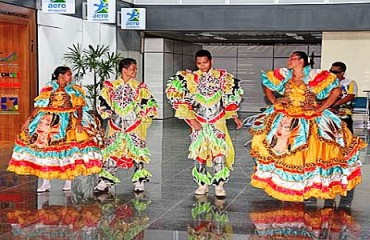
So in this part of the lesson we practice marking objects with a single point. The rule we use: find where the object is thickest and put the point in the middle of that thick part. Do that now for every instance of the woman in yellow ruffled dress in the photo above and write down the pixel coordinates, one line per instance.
(300, 148)
(60, 140)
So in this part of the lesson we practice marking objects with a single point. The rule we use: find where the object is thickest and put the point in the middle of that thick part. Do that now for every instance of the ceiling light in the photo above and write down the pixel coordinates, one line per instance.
(220, 38)
(207, 34)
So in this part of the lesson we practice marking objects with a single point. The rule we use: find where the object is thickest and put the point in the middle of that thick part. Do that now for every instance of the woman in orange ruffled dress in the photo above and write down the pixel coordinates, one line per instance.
(301, 149)
(60, 140)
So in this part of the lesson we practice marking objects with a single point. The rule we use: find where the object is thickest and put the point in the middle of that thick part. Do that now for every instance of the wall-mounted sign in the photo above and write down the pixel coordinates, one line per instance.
(10, 85)
(58, 6)
(9, 57)
(9, 60)
(9, 74)
(133, 18)
(101, 11)
(9, 102)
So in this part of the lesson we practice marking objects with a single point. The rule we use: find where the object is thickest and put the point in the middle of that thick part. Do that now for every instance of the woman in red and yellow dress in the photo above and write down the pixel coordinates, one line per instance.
(60, 140)
(300, 148)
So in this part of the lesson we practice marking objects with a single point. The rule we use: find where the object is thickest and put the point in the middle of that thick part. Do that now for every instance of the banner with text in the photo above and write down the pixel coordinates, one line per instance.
(103, 11)
(58, 6)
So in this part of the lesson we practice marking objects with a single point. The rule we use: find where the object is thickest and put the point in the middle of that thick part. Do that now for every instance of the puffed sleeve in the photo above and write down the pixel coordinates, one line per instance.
(322, 82)
(105, 108)
(43, 99)
(148, 105)
(178, 94)
(77, 96)
(276, 80)
(232, 94)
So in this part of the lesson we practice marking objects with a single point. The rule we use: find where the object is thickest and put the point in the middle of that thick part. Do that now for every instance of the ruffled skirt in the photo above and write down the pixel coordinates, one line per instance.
(300, 158)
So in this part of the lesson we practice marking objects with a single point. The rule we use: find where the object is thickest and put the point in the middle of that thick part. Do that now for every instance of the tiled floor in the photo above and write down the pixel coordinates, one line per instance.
(168, 208)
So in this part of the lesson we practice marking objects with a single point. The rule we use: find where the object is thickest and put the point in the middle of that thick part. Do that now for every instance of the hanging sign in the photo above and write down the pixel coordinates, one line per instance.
(103, 11)
(58, 6)
(133, 18)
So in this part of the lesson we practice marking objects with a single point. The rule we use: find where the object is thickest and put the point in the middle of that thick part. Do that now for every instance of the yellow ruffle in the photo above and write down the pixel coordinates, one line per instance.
(144, 93)
(73, 135)
(183, 112)
(208, 149)
(77, 101)
(190, 82)
(69, 174)
(78, 88)
(315, 193)
(43, 96)
(125, 152)
(274, 80)
(229, 83)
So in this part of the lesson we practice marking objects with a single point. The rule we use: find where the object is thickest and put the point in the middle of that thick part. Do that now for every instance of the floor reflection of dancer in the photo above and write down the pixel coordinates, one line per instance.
(125, 220)
(296, 221)
(210, 220)
(301, 149)
(60, 140)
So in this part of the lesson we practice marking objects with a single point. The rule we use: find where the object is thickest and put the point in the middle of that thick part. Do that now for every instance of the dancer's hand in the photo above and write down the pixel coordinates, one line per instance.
(309, 107)
(283, 101)
(79, 127)
(238, 122)
(195, 124)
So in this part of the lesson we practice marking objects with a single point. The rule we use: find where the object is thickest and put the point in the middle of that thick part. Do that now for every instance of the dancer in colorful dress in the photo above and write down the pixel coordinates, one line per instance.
(301, 149)
(205, 99)
(60, 140)
(130, 107)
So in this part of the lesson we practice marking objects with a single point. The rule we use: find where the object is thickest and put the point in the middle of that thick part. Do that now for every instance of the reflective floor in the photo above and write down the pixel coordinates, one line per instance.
(168, 209)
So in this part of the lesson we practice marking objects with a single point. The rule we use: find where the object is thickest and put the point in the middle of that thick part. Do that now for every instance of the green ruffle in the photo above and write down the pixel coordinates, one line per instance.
(205, 133)
(108, 175)
(221, 176)
(119, 229)
(120, 138)
(201, 208)
(220, 217)
(140, 205)
(141, 175)
(208, 101)
(123, 111)
(201, 178)
(235, 98)
(149, 108)
(176, 83)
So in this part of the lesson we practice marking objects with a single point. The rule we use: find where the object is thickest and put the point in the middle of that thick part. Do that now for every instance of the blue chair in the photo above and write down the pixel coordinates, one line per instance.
(361, 105)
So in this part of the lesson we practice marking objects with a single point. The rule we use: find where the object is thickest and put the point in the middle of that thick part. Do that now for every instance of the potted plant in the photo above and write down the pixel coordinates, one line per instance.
(97, 60)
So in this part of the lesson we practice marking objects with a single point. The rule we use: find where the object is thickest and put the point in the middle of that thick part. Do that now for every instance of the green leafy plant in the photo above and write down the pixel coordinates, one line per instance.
(97, 60)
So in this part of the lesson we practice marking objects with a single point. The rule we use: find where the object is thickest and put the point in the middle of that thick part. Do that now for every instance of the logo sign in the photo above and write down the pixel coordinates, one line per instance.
(101, 11)
(9, 102)
(8, 75)
(58, 6)
(133, 18)
(9, 58)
